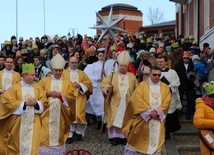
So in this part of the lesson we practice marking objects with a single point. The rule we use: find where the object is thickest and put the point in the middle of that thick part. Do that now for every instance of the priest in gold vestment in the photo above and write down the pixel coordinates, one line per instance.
(144, 120)
(20, 115)
(84, 87)
(120, 86)
(57, 116)
(8, 76)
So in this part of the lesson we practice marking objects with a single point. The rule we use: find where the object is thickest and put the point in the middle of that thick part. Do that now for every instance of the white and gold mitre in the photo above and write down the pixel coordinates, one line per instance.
(124, 58)
(57, 62)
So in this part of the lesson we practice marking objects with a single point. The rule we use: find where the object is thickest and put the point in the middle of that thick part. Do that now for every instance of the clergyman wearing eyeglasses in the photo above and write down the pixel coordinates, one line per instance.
(144, 121)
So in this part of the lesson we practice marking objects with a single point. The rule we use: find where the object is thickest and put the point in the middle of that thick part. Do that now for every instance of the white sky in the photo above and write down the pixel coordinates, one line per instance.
(60, 15)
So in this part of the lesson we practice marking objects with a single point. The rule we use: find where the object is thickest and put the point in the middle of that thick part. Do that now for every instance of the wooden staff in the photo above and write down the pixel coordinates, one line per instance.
(105, 55)
(107, 99)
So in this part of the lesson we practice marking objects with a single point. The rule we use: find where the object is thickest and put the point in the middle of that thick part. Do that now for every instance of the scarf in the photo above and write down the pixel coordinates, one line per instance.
(208, 101)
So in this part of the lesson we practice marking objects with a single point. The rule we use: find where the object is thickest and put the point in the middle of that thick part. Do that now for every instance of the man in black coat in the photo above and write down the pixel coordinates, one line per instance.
(185, 71)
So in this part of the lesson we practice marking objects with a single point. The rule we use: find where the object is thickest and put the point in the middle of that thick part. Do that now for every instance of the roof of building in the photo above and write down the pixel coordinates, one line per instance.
(168, 23)
(120, 6)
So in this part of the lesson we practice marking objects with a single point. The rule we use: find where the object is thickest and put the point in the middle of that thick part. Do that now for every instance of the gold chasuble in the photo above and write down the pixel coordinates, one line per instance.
(56, 118)
(146, 137)
(79, 107)
(123, 80)
(123, 87)
(7, 79)
(20, 133)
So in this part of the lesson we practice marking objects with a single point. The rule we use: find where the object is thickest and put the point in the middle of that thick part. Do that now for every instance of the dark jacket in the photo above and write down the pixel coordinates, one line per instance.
(187, 82)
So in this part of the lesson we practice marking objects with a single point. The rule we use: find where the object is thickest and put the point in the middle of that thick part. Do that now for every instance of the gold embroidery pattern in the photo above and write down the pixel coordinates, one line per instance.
(123, 88)
(54, 124)
(123, 82)
(54, 114)
(155, 96)
(154, 125)
(27, 96)
(153, 133)
(74, 77)
(7, 81)
(27, 121)
(56, 88)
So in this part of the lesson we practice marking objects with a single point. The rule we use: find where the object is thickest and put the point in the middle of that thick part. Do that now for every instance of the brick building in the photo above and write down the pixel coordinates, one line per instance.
(131, 23)
(166, 28)
(196, 17)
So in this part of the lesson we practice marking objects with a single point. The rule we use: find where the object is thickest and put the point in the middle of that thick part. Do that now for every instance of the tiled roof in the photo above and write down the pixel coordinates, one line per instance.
(168, 23)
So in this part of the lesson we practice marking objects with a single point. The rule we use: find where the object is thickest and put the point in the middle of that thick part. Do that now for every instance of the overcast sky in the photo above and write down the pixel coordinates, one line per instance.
(62, 15)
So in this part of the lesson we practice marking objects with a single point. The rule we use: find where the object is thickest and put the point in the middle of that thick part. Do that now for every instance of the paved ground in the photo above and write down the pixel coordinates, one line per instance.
(98, 143)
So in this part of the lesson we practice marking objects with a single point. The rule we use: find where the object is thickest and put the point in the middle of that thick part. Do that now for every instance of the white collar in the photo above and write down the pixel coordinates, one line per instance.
(25, 84)
(7, 71)
(56, 78)
(72, 70)
(152, 83)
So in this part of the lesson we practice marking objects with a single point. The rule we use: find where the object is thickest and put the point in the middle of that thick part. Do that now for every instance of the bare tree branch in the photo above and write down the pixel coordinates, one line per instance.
(155, 15)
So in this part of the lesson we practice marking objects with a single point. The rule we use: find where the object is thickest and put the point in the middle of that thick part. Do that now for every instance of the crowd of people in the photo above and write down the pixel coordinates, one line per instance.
(51, 89)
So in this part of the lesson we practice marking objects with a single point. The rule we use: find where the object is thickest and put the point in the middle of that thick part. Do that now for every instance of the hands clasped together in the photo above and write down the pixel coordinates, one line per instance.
(54, 94)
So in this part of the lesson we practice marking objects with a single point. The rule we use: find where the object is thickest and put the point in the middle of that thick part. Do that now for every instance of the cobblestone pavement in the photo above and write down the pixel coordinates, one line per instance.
(98, 143)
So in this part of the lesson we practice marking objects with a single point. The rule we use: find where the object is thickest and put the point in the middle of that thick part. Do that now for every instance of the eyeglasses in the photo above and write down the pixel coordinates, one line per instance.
(156, 75)
(185, 58)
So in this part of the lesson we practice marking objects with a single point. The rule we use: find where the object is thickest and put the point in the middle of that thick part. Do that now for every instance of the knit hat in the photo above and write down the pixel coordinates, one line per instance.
(21, 38)
(7, 42)
(152, 50)
(194, 42)
(175, 45)
(149, 40)
(34, 47)
(191, 37)
(186, 54)
(45, 71)
(89, 51)
(194, 57)
(24, 52)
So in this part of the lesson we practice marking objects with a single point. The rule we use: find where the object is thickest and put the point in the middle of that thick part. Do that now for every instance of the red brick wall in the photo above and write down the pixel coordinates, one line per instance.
(124, 12)
(130, 26)
(201, 18)
(191, 18)
(211, 13)
(166, 30)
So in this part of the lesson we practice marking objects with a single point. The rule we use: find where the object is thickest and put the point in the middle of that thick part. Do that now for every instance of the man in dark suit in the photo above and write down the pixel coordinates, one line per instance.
(185, 71)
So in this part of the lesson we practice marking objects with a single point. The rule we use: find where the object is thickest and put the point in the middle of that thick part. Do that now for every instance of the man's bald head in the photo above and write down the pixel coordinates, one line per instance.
(73, 59)
(73, 62)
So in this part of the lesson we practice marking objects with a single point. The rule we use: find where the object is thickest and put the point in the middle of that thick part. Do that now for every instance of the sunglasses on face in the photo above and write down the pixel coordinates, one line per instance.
(156, 75)
(185, 58)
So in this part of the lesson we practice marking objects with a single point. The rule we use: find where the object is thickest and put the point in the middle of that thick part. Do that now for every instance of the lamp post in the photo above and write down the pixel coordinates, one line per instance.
(16, 18)
(73, 31)
(44, 15)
